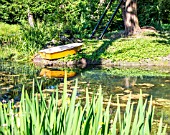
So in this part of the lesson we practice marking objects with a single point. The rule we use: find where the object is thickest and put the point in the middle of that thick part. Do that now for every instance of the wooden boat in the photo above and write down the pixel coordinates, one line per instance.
(56, 73)
(60, 51)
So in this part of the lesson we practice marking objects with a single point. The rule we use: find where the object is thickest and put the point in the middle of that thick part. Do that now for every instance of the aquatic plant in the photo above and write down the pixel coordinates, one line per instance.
(52, 115)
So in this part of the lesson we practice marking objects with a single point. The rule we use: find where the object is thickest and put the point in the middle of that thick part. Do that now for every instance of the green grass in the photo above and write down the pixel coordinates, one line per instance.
(30, 40)
(10, 37)
(11, 53)
(14, 45)
(9, 33)
(24, 41)
(127, 49)
(131, 49)
(7, 29)
(54, 115)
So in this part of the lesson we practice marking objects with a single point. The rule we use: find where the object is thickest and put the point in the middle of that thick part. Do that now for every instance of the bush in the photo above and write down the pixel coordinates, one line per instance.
(164, 8)
(78, 16)
(153, 13)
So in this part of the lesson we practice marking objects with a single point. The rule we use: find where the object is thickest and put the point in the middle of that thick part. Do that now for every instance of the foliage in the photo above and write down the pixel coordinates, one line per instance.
(80, 17)
(34, 39)
(70, 19)
(25, 41)
(16, 11)
(10, 37)
(12, 55)
(63, 116)
(164, 9)
(76, 16)
(153, 12)
(166, 27)
(53, 20)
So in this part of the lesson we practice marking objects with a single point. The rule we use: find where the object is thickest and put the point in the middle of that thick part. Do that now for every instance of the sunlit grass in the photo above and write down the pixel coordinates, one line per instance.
(127, 49)
(9, 34)
(11, 53)
(12, 44)
(6, 29)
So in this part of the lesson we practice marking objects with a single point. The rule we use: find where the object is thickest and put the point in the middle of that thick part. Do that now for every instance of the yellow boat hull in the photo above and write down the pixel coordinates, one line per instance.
(51, 54)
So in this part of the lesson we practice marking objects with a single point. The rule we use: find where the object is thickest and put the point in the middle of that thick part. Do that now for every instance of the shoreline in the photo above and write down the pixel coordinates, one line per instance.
(161, 62)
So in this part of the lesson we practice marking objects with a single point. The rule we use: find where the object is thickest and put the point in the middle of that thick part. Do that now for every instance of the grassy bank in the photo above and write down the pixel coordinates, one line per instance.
(67, 115)
(22, 43)
(10, 38)
(145, 46)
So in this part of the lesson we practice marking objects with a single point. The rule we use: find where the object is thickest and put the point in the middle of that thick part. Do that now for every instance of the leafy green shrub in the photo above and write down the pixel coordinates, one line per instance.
(153, 13)
(35, 38)
(164, 8)
(46, 116)
(78, 16)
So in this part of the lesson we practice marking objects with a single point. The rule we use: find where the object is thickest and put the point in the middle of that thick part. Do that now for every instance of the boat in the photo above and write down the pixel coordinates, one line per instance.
(60, 51)
(52, 73)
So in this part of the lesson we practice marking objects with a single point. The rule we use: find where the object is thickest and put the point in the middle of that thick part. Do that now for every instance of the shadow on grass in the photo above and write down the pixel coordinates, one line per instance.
(95, 56)
(101, 49)
(165, 38)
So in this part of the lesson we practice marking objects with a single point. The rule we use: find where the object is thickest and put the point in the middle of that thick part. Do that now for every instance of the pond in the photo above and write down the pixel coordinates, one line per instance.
(114, 81)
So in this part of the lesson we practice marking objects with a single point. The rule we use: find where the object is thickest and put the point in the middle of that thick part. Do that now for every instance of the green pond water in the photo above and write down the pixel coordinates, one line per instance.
(114, 81)
(151, 80)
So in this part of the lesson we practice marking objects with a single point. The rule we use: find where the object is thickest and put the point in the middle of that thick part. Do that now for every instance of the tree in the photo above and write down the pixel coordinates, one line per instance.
(129, 12)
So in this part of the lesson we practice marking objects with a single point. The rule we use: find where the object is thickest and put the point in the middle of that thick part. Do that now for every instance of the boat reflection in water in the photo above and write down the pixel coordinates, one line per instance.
(56, 73)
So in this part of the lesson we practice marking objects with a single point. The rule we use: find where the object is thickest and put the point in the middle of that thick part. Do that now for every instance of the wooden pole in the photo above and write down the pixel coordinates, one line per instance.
(113, 15)
(101, 18)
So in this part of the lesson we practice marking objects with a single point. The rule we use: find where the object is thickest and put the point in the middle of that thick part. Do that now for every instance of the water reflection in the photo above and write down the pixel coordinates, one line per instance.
(14, 75)
(56, 73)
(113, 80)
(158, 86)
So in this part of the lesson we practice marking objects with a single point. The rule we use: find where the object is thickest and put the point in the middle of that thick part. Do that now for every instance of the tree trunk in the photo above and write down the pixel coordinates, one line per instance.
(30, 19)
(102, 2)
(129, 12)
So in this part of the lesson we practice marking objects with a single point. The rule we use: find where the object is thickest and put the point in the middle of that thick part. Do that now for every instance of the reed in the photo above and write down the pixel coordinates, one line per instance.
(39, 115)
